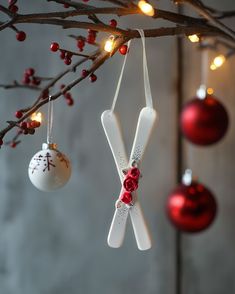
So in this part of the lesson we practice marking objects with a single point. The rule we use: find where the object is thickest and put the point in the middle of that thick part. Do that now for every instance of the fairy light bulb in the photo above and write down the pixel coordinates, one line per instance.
(146, 8)
(210, 91)
(217, 62)
(194, 38)
(109, 44)
(37, 116)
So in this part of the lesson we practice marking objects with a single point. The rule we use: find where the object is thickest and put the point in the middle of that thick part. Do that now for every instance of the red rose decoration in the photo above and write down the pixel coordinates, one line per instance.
(126, 197)
(130, 184)
(134, 173)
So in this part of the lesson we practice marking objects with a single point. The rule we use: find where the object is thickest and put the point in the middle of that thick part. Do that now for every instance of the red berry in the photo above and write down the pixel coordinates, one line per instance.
(23, 125)
(85, 0)
(45, 94)
(90, 39)
(21, 36)
(25, 132)
(26, 80)
(36, 81)
(84, 73)
(62, 86)
(68, 96)
(29, 125)
(31, 131)
(113, 23)
(92, 32)
(1, 141)
(62, 54)
(35, 124)
(80, 43)
(67, 60)
(70, 101)
(69, 54)
(13, 144)
(93, 78)
(66, 5)
(123, 49)
(29, 72)
(54, 47)
(18, 114)
(13, 8)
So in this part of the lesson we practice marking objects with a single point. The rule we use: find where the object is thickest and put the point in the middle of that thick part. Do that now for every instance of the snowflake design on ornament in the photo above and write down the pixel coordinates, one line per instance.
(48, 162)
(38, 160)
(62, 158)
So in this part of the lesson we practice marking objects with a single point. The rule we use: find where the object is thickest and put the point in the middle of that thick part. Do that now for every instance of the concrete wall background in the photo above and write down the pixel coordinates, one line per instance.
(56, 242)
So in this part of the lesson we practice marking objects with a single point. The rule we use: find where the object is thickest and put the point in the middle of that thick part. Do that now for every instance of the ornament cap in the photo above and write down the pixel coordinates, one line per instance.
(201, 92)
(51, 146)
(187, 177)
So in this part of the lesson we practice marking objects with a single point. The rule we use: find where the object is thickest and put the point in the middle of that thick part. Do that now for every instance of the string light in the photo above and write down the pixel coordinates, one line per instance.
(194, 38)
(217, 62)
(210, 91)
(37, 116)
(109, 44)
(146, 8)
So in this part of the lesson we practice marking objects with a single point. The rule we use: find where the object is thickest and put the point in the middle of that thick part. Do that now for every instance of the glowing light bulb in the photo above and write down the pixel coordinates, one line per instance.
(146, 8)
(210, 91)
(218, 62)
(109, 44)
(37, 116)
(213, 67)
(194, 38)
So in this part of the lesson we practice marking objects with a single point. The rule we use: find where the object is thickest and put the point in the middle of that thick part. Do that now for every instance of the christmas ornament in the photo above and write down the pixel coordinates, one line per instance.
(49, 169)
(204, 121)
(129, 172)
(191, 207)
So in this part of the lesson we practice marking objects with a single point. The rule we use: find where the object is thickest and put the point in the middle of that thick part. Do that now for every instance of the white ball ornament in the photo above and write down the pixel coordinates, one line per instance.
(49, 169)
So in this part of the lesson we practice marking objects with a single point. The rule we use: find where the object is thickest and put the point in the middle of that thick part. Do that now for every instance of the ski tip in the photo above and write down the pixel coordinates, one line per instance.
(113, 244)
(105, 114)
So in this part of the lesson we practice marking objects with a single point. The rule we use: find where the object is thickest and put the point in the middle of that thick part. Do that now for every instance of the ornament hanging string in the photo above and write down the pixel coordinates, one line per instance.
(147, 89)
(204, 67)
(50, 121)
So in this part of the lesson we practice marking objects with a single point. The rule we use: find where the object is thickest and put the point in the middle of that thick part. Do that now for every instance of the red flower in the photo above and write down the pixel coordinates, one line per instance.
(134, 172)
(126, 197)
(130, 184)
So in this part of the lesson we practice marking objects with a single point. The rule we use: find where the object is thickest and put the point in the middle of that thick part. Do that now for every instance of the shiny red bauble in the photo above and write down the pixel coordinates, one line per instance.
(191, 208)
(204, 121)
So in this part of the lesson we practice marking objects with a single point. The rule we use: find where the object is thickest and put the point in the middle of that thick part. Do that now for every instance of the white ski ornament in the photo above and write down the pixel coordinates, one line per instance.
(112, 130)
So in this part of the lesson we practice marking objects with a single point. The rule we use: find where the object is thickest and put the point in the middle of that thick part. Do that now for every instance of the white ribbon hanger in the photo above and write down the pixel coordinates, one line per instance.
(146, 121)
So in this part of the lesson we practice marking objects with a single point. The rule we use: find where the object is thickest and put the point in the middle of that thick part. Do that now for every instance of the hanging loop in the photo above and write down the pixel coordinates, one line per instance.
(49, 121)
(147, 89)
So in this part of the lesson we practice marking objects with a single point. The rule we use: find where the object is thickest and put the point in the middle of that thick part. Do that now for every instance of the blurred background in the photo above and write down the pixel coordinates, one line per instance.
(55, 243)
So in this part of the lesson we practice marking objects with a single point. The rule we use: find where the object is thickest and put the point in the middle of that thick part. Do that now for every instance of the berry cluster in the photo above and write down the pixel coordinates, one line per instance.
(29, 127)
(130, 184)
(30, 78)
(64, 54)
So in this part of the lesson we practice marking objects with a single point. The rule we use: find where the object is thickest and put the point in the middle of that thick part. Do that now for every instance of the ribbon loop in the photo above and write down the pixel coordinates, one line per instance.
(147, 88)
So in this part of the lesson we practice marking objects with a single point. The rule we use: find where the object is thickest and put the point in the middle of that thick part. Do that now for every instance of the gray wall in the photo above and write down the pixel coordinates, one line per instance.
(55, 243)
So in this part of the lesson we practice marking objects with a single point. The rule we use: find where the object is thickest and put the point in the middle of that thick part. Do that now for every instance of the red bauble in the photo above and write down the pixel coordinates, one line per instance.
(191, 208)
(204, 121)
